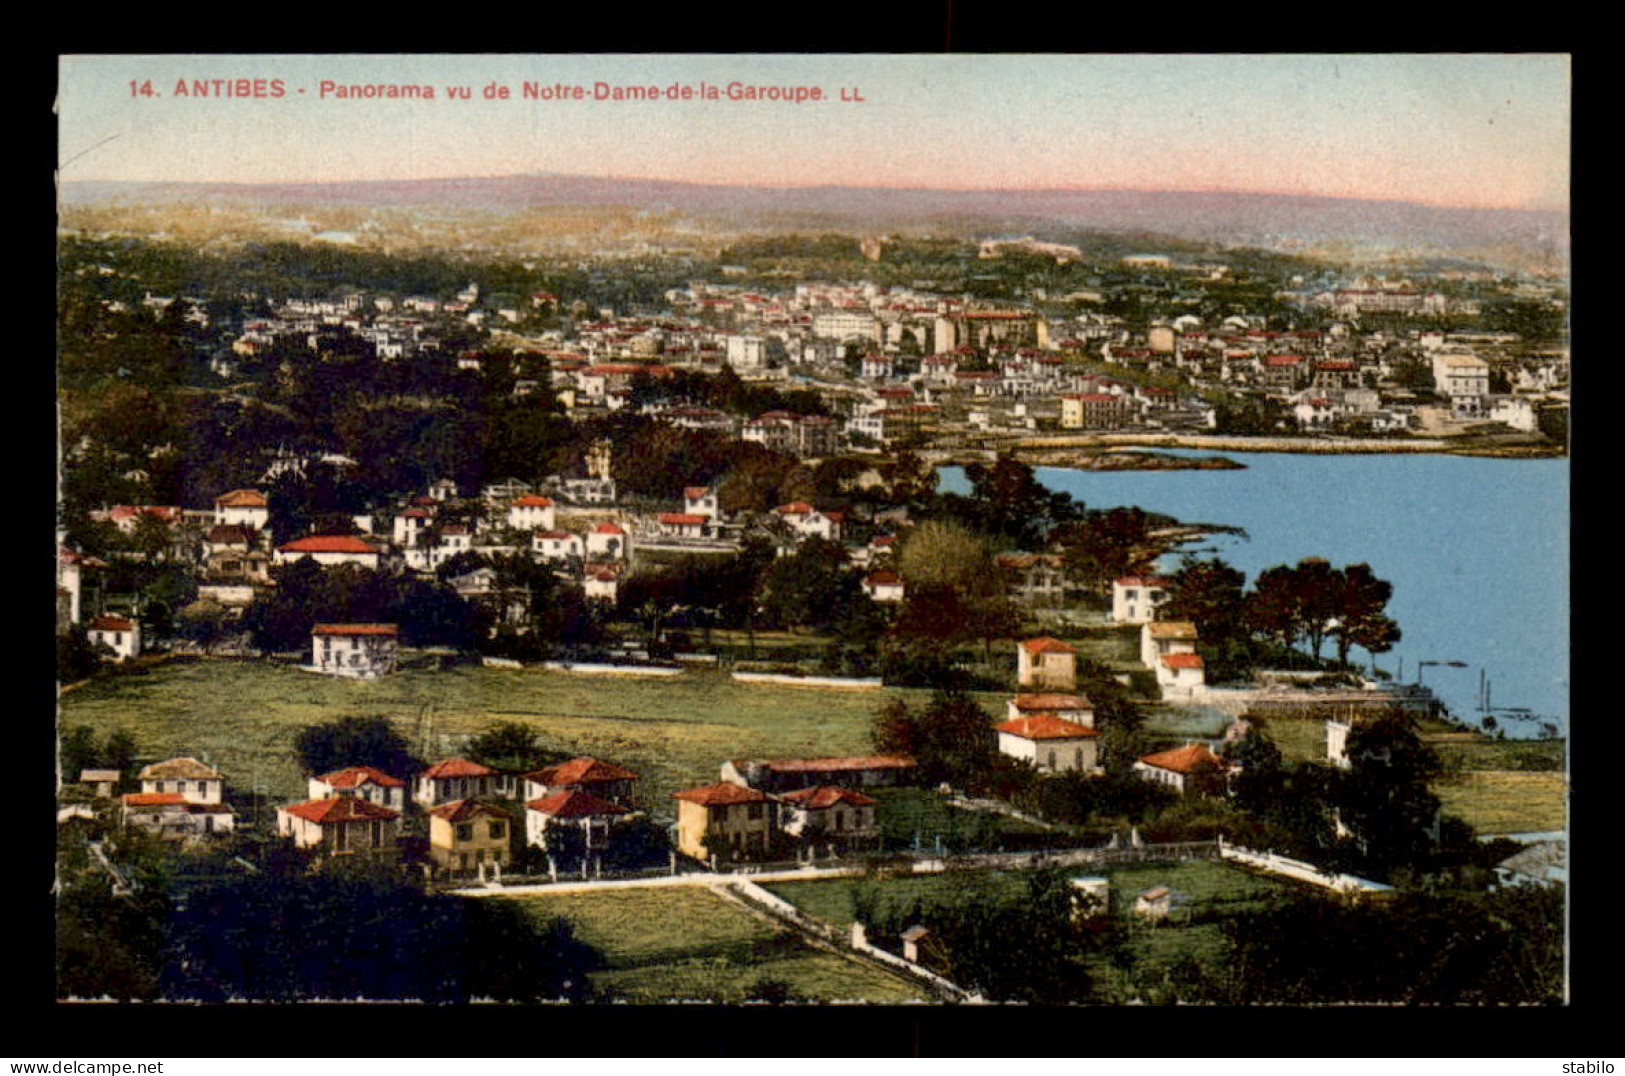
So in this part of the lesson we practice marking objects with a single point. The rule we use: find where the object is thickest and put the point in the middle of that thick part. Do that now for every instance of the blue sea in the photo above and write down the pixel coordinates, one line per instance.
(1477, 551)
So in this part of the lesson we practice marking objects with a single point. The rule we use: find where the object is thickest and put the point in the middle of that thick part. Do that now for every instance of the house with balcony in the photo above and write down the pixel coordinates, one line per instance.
(354, 651)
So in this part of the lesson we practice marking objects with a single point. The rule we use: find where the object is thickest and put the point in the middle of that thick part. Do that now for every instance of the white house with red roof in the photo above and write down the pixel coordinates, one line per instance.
(829, 814)
(607, 541)
(458, 779)
(364, 782)
(1050, 743)
(410, 525)
(121, 634)
(1046, 662)
(591, 815)
(1136, 598)
(354, 651)
(701, 501)
(601, 582)
(1181, 768)
(681, 525)
(185, 777)
(170, 815)
(883, 585)
(328, 550)
(1067, 707)
(1168, 648)
(343, 825)
(557, 546)
(242, 508)
(603, 779)
(531, 513)
(808, 522)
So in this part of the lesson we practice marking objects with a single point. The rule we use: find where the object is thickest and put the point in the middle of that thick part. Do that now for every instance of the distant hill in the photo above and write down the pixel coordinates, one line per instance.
(1270, 221)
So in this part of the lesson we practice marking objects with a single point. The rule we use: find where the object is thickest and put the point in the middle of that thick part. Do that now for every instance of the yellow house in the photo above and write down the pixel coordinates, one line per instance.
(725, 820)
(465, 833)
(1046, 663)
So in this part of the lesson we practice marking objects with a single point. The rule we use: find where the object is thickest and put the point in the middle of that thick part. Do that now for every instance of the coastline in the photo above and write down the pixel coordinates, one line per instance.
(1137, 451)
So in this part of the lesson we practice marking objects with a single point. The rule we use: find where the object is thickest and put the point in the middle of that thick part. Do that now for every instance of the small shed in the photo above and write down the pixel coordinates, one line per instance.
(100, 782)
(1154, 904)
(912, 937)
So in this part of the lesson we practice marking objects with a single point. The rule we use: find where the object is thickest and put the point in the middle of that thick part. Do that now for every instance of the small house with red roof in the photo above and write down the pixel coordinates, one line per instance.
(1136, 598)
(1046, 663)
(828, 814)
(603, 779)
(883, 585)
(1052, 744)
(458, 779)
(531, 513)
(607, 541)
(808, 522)
(590, 818)
(1066, 706)
(787, 774)
(601, 582)
(701, 501)
(119, 633)
(363, 782)
(328, 550)
(354, 651)
(725, 820)
(341, 826)
(1181, 674)
(1184, 769)
(1168, 648)
(195, 781)
(172, 816)
(557, 546)
(464, 834)
(242, 508)
(681, 525)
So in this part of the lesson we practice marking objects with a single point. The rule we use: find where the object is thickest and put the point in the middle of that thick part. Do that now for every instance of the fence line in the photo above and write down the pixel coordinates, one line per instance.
(1286, 867)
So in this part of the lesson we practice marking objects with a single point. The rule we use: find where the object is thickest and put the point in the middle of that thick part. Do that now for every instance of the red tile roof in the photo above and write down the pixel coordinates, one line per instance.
(824, 796)
(681, 519)
(574, 803)
(1182, 661)
(459, 810)
(1046, 727)
(1183, 759)
(533, 502)
(720, 794)
(580, 771)
(355, 776)
(607, 528)
(1046, 645)
(832, 764)
(354, 629)
(328, 543)
(883, 579)
(241, 498)
(695, 493)
(152, 799)
(1171, 629)
(1141, 581)
(1051, 701)
(340, 809)
(458, 767)
(110, 623)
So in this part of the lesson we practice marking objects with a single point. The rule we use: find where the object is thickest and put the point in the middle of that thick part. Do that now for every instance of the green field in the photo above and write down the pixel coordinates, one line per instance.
(1506, 801)
(674, 731)
(689, 944)
(1206, 894)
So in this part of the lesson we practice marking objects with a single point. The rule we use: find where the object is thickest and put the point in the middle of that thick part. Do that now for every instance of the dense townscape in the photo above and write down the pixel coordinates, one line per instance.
(312, 485)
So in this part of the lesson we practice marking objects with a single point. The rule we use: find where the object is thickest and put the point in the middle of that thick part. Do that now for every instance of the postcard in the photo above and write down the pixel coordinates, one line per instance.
(806, 529)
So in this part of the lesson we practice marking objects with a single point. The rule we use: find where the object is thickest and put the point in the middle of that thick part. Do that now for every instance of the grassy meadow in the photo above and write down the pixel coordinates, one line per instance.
(1506, 801)
(720, 950)
(674, 731)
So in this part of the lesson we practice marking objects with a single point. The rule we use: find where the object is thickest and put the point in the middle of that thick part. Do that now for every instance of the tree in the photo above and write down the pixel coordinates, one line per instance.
(204, 622)
(1359, 599)
(1106, 545)
(814, 587)
(950, 740)
(1384, 798)
(1208, 593)
(510, 746)
(355, 741)
(1009, 503)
